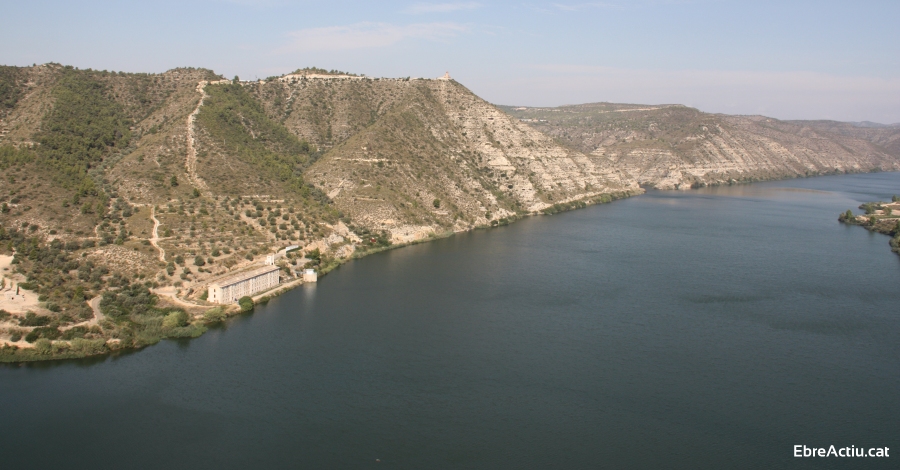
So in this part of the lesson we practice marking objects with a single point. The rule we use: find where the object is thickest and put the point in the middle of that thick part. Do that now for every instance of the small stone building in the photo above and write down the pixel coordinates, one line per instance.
(232, 288)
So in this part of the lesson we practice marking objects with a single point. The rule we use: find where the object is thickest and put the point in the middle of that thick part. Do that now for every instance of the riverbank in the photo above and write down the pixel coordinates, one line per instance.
(880, 217)
(179, 318)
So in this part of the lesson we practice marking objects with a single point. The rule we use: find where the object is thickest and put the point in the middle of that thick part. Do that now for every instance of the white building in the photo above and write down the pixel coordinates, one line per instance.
(310, 275)
(232, 288)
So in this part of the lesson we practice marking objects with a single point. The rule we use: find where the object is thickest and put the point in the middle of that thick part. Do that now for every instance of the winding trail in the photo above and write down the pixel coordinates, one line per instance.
(95, 306)
(98, 315)
(155, 239)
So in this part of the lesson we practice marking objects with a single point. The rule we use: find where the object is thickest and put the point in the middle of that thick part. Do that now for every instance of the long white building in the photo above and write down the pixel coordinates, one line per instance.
(232, 288)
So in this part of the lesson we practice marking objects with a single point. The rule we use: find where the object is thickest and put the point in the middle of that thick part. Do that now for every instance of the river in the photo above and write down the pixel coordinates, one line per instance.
(712, 328)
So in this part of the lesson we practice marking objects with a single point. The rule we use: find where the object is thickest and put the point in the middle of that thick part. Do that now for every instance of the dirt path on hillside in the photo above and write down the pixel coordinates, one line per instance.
(170, 294)
(154, 240)
(190, 163)
(98, 315)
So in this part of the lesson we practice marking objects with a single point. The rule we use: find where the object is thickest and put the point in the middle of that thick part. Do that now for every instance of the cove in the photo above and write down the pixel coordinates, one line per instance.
(713, 328)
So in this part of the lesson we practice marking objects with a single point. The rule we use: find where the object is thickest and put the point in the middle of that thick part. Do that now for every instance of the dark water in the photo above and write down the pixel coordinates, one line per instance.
(705, 329)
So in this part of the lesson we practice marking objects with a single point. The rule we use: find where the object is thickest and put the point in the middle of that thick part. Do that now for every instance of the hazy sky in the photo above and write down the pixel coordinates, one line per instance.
(787, 59)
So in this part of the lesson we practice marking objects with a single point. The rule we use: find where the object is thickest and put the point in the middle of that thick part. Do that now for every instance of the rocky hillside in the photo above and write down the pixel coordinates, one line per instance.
(124, 195)
(415, 157)
(673, 146)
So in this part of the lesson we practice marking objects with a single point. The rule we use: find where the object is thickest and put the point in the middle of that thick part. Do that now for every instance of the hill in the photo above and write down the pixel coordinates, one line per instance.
(126, 194)
(673, 146)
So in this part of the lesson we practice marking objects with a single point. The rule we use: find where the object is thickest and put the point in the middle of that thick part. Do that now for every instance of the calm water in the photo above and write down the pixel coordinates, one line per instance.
(704, 329)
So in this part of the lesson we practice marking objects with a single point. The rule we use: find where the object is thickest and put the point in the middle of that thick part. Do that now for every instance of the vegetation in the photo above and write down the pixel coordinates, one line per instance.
(318, 71)
(11, 156)
(232, 116)
(137, 322)
(10, 87)
(880, 219)
(83, 128)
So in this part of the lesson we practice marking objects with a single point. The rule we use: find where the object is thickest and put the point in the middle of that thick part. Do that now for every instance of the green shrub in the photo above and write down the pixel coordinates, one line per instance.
(189, 331)
(214, 315)
(89, 347)
(246, 304)
(32, 319)
(176, 319)
(42, 332)
(43, 346)
(72, 333)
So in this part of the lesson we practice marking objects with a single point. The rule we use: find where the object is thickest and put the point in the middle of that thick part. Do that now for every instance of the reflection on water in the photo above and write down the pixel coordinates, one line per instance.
(713, 328)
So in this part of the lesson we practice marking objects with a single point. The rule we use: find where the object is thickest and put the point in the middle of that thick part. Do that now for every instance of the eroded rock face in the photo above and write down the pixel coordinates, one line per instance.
(433, 157)
(675, 147)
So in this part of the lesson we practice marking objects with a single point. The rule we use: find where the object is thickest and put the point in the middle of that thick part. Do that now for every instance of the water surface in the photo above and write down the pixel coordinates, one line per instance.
(713, 328)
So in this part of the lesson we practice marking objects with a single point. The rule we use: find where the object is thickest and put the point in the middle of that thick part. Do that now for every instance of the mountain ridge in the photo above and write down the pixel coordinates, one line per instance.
(677, 147)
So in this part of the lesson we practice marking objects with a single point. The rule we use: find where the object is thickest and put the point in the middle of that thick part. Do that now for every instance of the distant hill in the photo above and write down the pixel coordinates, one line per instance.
(673, 146)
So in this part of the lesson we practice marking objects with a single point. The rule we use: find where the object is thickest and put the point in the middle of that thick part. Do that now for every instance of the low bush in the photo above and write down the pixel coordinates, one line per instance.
(214, 315)
(32, 319)
(176, 319)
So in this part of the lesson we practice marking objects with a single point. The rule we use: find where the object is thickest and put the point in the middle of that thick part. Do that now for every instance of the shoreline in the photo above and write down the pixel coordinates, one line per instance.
(880, 217)
(205, 316)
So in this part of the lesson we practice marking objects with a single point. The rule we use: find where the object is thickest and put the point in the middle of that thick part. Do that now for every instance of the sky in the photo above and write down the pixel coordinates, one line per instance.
(785, 59)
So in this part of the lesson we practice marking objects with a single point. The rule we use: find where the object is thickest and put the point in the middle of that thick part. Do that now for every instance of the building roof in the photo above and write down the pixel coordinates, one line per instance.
(234, 279)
